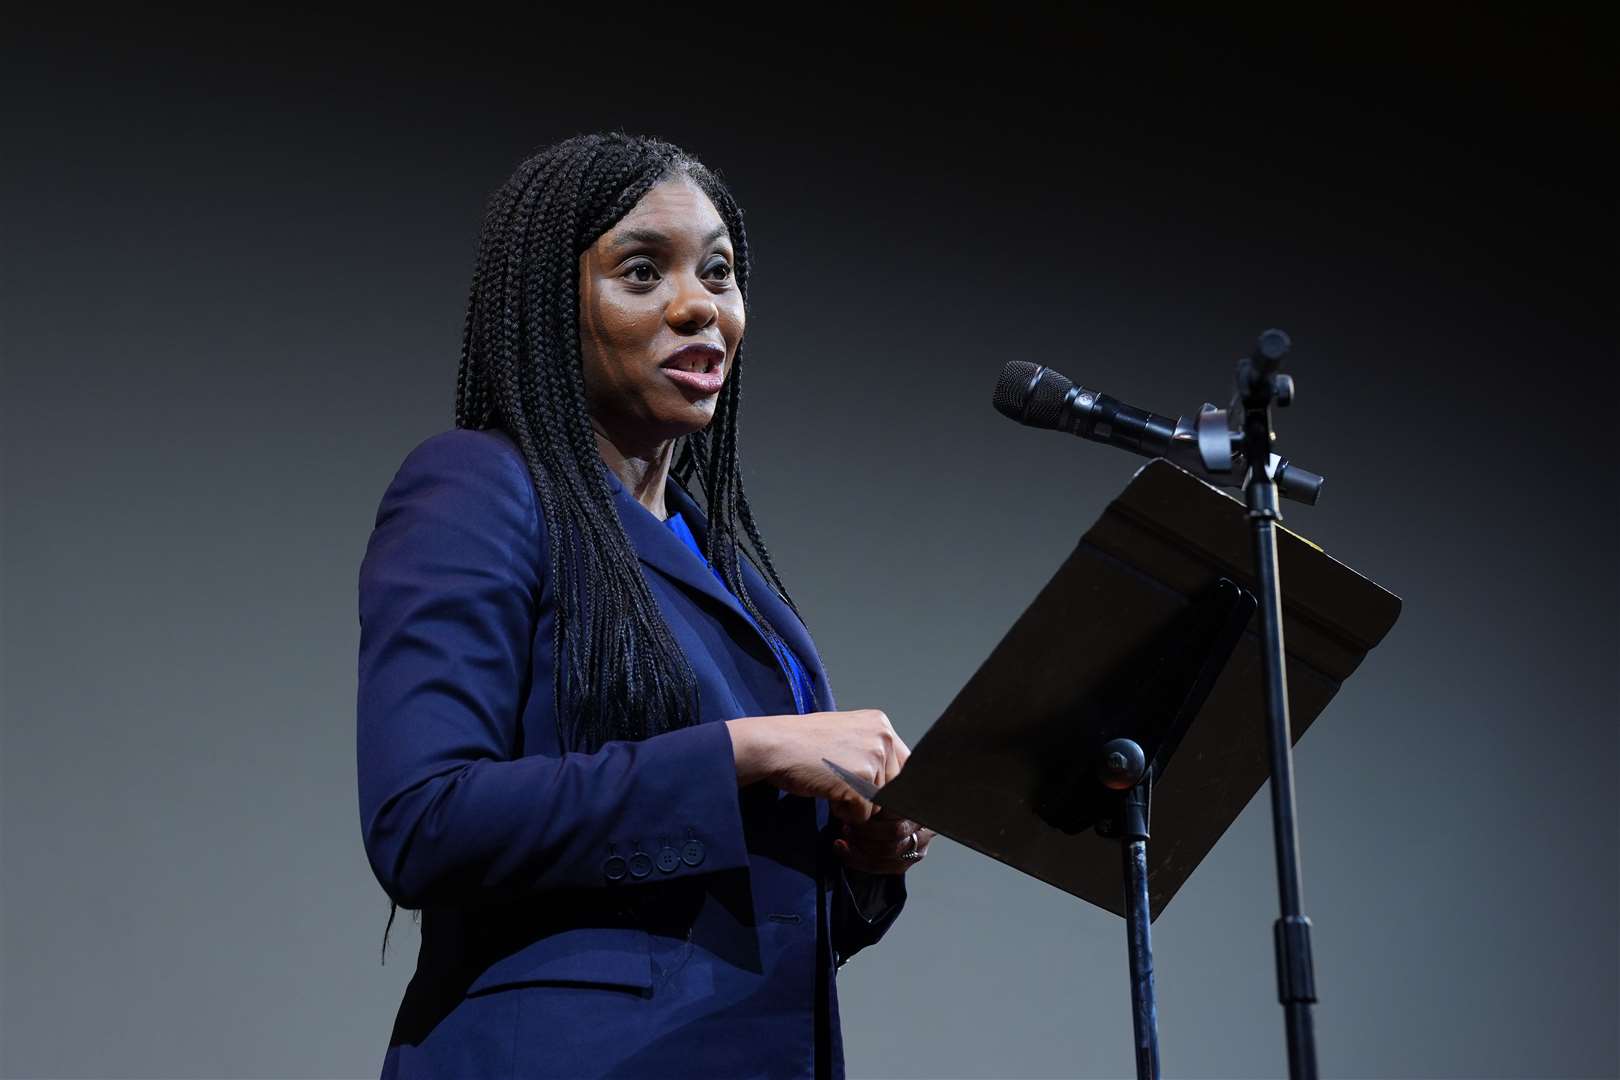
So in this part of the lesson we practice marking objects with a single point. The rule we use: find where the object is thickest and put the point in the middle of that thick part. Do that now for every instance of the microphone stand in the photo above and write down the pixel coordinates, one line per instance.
(1259, 386)
(1207, 447)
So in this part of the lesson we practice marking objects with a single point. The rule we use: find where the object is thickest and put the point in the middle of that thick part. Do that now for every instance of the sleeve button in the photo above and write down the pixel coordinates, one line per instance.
(640, 864)
(668, 859)
(692, 852)
(613, 867)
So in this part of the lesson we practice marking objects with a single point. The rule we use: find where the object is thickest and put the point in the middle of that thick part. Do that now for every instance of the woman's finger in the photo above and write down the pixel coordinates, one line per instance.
(852, 809)
(891, 758)
(870, 864)
(884, 856)
(883, 836)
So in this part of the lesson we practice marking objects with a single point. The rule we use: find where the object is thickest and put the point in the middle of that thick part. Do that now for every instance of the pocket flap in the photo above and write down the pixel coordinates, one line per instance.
(609, 956)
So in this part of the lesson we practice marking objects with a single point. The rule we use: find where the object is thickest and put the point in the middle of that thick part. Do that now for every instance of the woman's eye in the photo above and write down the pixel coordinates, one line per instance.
(642, 273)
(722, 270)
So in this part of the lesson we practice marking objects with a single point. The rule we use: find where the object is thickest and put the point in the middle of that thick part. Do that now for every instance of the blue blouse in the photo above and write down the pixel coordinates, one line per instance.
(798, 679)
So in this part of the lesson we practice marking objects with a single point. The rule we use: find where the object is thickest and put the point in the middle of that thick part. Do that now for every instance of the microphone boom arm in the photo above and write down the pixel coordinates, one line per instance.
(1205, 446)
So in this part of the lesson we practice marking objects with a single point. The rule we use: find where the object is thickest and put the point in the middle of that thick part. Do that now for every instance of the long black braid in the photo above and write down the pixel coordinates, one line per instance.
(618, 673)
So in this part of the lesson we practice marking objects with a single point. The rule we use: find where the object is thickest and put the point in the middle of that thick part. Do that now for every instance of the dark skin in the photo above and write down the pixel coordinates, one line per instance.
(658, 281)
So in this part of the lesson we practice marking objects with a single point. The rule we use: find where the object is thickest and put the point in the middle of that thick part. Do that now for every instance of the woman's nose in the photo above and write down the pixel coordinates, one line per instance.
(692, 308)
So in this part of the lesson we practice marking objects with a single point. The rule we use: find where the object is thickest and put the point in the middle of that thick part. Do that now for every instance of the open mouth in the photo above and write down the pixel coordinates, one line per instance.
(700, 359)
(696, 369)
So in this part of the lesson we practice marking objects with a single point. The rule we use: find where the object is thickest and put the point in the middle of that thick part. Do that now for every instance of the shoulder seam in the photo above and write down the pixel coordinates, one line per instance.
(511, 458)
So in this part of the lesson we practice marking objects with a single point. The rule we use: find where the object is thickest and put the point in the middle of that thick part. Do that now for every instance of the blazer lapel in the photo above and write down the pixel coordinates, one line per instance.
(663, 551)
(793, 632)
(765, 597)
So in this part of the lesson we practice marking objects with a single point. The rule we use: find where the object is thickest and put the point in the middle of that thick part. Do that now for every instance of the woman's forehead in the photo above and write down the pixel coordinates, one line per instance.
(676, 208)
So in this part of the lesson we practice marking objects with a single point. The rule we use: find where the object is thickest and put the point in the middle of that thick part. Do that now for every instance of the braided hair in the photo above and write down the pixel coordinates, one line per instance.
(618, 672)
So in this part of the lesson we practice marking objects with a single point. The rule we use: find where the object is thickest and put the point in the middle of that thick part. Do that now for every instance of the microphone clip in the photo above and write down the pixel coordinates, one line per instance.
(1211, 445)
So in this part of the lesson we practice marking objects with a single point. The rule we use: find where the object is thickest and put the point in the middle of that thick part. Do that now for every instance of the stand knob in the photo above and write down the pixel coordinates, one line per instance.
(1271, 348)
(1121, 764)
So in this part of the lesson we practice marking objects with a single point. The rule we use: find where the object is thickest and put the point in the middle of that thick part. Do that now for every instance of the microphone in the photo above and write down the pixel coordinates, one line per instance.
(1040, 397)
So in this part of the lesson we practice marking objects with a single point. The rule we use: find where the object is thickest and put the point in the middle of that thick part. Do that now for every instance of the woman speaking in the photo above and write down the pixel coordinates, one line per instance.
(592, 729)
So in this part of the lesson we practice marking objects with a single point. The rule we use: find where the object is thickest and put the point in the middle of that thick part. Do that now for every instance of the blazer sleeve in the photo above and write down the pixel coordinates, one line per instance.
(864, 907)
(451, 589)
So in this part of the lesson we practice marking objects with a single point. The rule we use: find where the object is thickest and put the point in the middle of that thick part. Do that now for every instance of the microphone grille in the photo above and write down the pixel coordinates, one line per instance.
(1031, 394)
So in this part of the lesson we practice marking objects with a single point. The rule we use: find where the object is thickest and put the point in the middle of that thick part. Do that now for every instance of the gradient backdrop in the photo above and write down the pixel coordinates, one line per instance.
(235, 256)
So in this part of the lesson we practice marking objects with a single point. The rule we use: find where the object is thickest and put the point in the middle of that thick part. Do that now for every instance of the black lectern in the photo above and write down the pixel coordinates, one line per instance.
(1128, 696)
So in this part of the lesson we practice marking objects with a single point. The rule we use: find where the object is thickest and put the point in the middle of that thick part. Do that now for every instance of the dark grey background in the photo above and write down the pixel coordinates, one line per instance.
(235, 258)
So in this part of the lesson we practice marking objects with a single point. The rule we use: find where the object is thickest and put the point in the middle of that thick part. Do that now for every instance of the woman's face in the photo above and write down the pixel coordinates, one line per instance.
(660, 319)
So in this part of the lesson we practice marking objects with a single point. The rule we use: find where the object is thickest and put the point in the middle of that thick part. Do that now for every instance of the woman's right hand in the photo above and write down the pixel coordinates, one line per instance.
(788, 752)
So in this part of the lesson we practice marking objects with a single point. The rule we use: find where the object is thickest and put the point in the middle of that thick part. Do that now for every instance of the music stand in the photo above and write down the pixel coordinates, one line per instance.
(1144, 639)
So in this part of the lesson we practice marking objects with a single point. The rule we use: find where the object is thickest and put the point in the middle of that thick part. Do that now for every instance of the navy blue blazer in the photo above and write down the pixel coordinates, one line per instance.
(629, 912)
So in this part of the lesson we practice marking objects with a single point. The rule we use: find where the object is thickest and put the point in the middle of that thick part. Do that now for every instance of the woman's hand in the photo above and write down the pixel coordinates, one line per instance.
(879, 845)
(788, 752)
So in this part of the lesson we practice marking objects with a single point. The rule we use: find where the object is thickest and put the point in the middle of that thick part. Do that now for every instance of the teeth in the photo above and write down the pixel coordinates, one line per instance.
(697, 362)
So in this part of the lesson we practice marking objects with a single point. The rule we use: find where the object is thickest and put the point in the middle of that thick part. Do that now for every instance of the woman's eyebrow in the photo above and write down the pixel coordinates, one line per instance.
(654, 238)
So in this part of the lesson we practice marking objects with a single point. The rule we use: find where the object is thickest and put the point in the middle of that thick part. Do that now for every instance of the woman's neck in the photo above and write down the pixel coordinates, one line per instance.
(643, 474)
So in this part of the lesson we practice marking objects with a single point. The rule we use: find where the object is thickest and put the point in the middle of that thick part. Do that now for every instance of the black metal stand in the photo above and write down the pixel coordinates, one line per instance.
(1259, 386)
(1146, 711)
(1124, 763)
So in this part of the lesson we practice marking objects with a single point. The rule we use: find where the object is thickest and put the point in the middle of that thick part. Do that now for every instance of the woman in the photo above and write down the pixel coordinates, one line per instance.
(592, 733)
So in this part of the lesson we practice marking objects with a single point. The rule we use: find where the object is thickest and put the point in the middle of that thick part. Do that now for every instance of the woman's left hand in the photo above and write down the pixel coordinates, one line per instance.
(878, 845)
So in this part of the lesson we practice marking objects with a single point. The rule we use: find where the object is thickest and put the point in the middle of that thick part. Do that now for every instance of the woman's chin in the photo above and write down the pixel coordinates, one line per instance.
(672, 423)
(688, 415)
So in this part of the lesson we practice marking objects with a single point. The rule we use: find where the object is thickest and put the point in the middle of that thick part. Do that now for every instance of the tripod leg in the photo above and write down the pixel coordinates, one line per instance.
(1144, 1011)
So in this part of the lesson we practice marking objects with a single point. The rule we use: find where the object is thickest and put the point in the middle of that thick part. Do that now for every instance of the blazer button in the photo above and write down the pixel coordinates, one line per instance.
(613, 867)
(692, 852)
(668, 859)
(640, 864)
